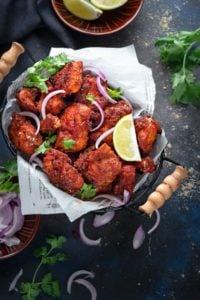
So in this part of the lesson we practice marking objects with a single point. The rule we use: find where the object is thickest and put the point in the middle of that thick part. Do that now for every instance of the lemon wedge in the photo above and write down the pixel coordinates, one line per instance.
(83, 9)
(124, 139)
(108, 4)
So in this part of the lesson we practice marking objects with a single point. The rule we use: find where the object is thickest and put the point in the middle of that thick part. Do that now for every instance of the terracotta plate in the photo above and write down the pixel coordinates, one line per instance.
(26, 235)
(109, 22)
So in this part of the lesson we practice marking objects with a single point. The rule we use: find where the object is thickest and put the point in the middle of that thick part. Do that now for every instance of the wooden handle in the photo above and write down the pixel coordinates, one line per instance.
(9, 59)
(164, 191)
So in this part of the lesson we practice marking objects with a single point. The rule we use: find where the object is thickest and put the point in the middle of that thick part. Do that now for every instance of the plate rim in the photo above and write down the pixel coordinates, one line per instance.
(53, 2)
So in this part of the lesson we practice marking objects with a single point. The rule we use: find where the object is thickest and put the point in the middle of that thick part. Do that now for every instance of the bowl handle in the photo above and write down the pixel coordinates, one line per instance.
(9, 59)
(164, 190)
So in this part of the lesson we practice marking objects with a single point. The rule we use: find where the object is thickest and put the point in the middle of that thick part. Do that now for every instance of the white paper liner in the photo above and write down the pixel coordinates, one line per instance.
(122, 69)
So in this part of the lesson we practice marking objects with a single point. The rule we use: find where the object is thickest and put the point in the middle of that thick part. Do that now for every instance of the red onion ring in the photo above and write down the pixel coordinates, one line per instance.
(138, 238)
(34, 158)
(103, 136)
(100, 220)
(46, 99)
(84, 238)
(96, 71)
(5, 199)
(34, 117)
(103, 92)
(127, 196)
(74, 275)
(5, 218)
(101, 113)
(17, 222)
(15, 280)
(156, 223)
(108, 197)
(89, 286)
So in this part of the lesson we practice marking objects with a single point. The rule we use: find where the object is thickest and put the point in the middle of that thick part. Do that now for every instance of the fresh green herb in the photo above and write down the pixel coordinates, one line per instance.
(90, 97)
(46, 145)
(181, 52)
(31, 290)
(41, 71)
(8, 177)
(87, 191)
(68, 143)
(115, 93)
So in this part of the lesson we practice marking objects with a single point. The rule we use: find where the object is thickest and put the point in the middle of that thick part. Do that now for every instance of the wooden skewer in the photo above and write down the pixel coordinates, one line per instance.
(164, 191)
(9, 59)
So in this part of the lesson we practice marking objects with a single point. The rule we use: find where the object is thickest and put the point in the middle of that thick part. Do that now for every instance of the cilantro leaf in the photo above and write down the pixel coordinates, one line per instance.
(87, 191)
(41, 71)
(46, 145)
(115, 93)
(90, 97)
(8, 177)
(68, 143)
(50, 287)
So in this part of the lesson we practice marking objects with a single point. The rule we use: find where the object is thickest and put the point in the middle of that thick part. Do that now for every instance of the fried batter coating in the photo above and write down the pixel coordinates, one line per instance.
(27, 99)
(50, 124)
(113, 114)
(89, 87)
(74, 126)
(61, 173)
(100, 166)
(22, 134)
(54, 106)
(146, 130)
(125, 180)
(146, 165)
(69, 78)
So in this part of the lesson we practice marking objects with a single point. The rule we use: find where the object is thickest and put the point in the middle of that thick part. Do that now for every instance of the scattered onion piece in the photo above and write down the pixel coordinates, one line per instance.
(10, 241)
(156, 223)
(89, 286)
(101, 113)
(74, 275)
(46, 99)
(34, 158)
(100, 220)
(103, 92)
(103, 136)
(34, 117)
(96, 71)
(127, 196)
(84, 238)
(138, 238)
(15, 280)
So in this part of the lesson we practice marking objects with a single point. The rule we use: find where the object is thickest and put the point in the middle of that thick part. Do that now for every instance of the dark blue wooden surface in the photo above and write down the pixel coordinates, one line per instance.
(168, 266)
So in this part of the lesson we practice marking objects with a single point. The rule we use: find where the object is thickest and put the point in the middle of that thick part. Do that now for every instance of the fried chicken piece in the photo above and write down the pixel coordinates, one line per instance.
(54, 106)
(69, 78)
(146, 130)
(61, 173)
(100, 166)
(74, 126)
(146, 165)
(27, 99)
(22, 134)
(89, 88)
(113, 114)
(125, 180)
(50, 124)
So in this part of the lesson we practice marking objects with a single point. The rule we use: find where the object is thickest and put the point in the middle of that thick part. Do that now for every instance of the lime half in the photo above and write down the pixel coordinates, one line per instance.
(108, 4)
(83, 9)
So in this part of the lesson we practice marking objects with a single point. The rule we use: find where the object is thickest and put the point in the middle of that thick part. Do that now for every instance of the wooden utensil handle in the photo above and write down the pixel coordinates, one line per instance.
(164, 190)
(9, 59)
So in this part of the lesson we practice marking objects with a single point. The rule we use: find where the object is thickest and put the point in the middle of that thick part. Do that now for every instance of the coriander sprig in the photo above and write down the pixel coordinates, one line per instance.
(48, 256)
(8, 177)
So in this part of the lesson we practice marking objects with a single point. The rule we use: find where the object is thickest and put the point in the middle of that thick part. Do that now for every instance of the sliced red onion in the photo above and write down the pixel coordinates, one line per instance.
(5, 199)
(46, 99)
(10, 241)
(76, 274)
(108, 197)
(138, 238)
(89, 286)
(103, 136)
(95, 70)
(84, 238)
(15, 280)
(101, 113)
(17, 222)
(103, 92)
(156, 223)
(34, 158)
(127, 196)
(100, 220)
(32, 116)
(5, 217)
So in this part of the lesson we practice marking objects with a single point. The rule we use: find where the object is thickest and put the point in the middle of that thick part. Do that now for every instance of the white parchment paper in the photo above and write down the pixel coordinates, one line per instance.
(122, 69)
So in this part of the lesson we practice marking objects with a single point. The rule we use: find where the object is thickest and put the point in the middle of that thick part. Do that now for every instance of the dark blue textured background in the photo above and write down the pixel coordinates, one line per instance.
(168, 266)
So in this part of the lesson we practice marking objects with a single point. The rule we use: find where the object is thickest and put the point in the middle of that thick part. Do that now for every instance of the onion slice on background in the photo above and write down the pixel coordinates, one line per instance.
(84, 238)
(94, 70)
(15, 280)
(138, 238)
(156, 223)
(32, 116)
(100, 220)
(89, 286)
(76, 274)
(103, 136)
(46, 99)
(103, 92)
